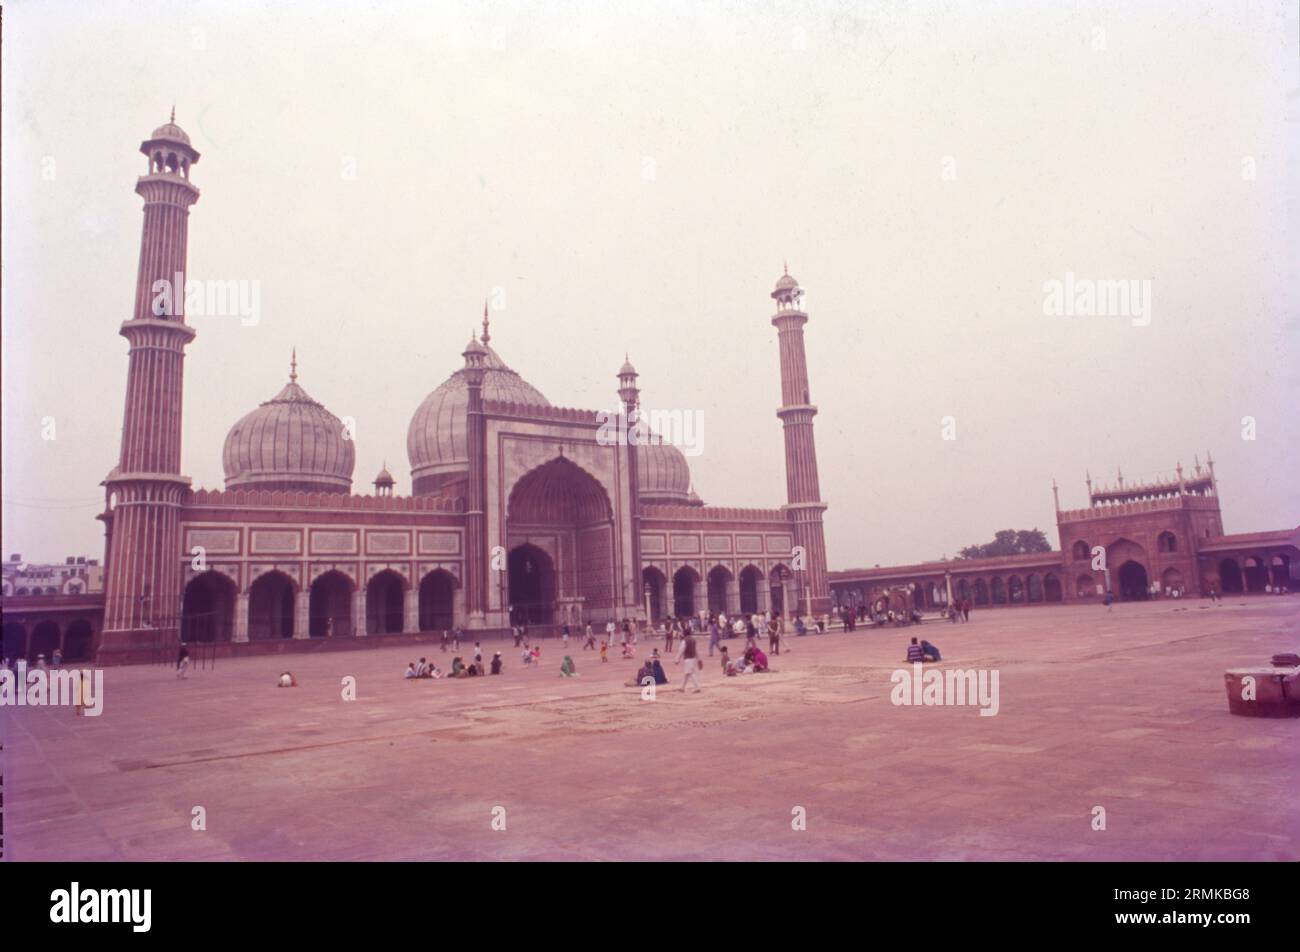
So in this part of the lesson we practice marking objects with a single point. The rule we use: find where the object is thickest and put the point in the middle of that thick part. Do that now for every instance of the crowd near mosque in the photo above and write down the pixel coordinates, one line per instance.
(680, 638)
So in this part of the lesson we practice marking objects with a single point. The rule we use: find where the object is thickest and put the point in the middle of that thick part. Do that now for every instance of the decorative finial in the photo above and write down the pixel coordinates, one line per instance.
(173, 118)
(785, 263)
(293, 366)
(486, 338)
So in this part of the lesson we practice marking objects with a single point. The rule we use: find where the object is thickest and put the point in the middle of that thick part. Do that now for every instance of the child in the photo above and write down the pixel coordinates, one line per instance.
(410, 671)
(537, 654)
(604, 651)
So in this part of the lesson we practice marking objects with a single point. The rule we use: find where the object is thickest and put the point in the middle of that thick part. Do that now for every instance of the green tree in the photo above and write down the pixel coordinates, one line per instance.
(1009, 542)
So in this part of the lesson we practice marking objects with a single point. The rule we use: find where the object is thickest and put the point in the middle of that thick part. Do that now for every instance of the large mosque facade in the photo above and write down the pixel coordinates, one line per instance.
(520, 511)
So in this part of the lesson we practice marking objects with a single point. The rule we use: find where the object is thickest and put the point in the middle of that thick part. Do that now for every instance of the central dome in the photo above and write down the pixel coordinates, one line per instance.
(436, 439)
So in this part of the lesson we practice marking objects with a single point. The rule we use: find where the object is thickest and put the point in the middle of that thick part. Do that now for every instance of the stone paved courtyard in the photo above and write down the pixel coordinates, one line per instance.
(1124, 710)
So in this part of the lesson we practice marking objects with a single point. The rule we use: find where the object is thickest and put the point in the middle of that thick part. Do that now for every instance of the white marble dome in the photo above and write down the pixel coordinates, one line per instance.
(289, 442)
(662, 474)
(436, 438)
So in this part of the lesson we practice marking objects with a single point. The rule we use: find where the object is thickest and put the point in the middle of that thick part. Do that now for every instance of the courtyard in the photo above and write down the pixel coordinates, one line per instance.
(1123, 710)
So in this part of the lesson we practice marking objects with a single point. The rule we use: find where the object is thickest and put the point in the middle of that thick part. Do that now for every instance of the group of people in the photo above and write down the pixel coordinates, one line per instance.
(753, 661)
(459, 669)
(11, 664)
(959, 611)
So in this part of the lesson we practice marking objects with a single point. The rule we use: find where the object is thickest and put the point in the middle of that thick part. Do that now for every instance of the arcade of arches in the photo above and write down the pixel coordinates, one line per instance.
(686, 593)
(75, 639)
(210, 606)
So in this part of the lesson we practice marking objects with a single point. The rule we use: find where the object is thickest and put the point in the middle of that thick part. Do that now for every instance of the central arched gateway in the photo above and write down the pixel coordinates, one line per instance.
(1133, 584)
(531, 579)
(560, 535)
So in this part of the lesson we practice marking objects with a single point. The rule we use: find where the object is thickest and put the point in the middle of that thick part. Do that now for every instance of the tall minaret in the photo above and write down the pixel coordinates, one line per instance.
(476, 545)
(142, 586)
(805, 507)
(629, 396)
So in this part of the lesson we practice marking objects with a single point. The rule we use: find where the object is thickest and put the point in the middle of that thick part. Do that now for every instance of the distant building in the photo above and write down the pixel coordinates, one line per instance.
(76, 575)
(1161, 538)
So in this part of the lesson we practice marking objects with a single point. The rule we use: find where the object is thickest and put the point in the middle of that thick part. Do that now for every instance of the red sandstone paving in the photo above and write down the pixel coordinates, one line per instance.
(1124, 709)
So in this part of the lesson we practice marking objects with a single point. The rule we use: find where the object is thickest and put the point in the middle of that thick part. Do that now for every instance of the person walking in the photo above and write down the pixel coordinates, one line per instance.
(715, 636)
(688, 654)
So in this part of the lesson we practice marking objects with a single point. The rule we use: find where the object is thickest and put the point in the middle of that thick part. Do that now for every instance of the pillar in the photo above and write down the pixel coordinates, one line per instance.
(359, 613)
(411, 609)
(302, 613)
(241, 617)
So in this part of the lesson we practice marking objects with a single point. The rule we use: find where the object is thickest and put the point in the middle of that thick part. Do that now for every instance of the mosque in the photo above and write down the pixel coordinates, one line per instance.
(520, 511)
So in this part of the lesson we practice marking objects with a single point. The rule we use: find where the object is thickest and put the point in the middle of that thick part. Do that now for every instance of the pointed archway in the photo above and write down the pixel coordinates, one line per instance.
(437, 601)
(208, 608)
(530, 581)
(1133, 583)
(560, 521)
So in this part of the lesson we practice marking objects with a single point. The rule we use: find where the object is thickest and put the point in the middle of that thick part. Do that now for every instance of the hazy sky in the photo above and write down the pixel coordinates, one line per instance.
(632, 176)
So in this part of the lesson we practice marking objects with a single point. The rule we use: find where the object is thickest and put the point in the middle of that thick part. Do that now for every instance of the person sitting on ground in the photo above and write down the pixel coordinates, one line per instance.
(473, 670)
(759, 660)
(496, 663)
(411, 672)
(422, 669)
(567, 668)
(287, 680)
(628, 652)
(914, 652)
(458, 668)
(646, 671)
(660, 677)
(930, 652)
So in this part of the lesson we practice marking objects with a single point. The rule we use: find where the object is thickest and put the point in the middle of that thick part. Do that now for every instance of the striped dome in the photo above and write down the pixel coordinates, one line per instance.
(662, 474)
(289, 442)
(436, 440)
(171, 131)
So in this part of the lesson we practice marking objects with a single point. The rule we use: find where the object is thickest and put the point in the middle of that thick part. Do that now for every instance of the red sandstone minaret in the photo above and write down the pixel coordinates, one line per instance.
(142, 587)
(805, 507)
(476, 547)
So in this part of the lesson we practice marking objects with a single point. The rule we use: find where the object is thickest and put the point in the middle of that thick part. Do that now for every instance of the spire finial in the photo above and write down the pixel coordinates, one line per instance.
(785, 263)
(173, 118)
(293, 366)
(486, 338)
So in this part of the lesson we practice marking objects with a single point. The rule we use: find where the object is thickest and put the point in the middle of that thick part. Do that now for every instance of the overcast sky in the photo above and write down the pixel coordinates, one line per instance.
(632, 176)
